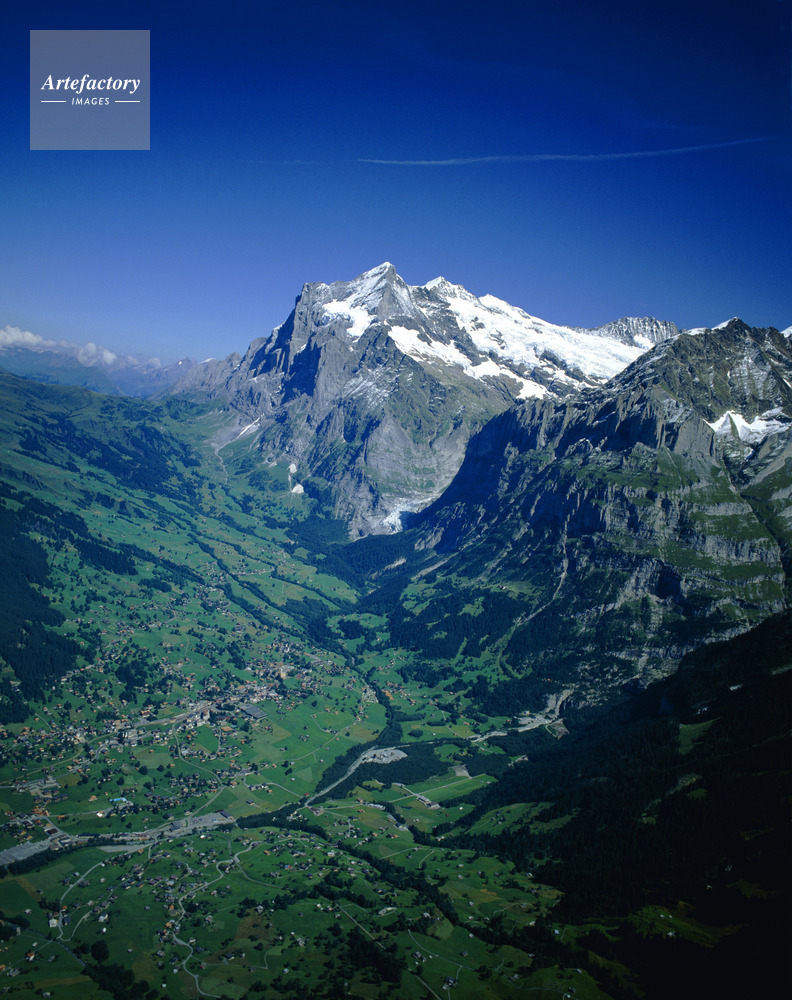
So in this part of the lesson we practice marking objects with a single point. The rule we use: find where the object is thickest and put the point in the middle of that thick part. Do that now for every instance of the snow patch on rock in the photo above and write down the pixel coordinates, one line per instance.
(750, 431)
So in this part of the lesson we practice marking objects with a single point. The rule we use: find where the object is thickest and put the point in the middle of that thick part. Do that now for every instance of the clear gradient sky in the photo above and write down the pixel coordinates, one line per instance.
(582, 159)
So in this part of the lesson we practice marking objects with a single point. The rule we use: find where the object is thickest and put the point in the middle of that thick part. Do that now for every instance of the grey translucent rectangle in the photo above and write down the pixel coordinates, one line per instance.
(90, 89)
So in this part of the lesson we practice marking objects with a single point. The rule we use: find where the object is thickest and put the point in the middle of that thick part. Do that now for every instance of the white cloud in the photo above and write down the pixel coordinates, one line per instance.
(12, 336)
(92, 354)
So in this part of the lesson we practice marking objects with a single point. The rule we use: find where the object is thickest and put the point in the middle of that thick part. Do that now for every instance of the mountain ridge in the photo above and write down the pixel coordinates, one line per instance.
(643, 523)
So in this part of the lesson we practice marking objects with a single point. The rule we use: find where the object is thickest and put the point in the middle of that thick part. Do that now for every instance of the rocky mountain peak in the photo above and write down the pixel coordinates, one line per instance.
(374, 386)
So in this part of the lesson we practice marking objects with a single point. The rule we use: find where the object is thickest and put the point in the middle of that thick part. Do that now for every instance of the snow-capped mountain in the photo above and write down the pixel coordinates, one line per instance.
(373, 386)
(442, 325)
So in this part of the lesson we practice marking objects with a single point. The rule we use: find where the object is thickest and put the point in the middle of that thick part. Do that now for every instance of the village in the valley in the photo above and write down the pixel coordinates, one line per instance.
(143, 809)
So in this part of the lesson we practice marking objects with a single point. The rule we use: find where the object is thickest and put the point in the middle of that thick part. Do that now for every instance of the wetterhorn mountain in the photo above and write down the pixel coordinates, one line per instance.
(372, 387)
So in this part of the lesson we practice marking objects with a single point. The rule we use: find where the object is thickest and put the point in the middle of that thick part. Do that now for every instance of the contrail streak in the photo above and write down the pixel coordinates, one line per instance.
(462, 161)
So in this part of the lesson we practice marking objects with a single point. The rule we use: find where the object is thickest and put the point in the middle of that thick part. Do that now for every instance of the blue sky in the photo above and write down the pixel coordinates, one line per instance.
(494, 143)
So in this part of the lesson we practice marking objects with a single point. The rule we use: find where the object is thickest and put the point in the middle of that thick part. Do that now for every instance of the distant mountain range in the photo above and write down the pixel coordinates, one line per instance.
(93, 368)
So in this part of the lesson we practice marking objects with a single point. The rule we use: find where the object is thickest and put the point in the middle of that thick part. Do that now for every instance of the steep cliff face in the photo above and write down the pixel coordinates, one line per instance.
(635, 521)
(372, 387)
